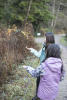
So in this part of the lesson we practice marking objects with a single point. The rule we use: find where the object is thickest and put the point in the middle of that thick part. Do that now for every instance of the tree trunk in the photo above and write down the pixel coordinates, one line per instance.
(53, 12)
(28, 11)
(57, 14)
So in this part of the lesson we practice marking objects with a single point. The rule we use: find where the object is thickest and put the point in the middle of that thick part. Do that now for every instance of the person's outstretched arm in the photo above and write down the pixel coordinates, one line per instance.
(35, 72)
(35, 52)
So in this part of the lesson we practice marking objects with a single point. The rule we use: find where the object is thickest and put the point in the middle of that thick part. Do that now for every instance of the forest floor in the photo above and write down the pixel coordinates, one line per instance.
(21, 85)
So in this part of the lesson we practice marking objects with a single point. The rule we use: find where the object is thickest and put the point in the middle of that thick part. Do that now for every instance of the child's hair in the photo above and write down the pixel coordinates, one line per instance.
(48, 33)
(49, 38)
(53, 50)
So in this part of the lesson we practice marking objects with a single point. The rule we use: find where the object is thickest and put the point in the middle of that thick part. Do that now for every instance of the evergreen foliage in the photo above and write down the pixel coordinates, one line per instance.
(15, 11)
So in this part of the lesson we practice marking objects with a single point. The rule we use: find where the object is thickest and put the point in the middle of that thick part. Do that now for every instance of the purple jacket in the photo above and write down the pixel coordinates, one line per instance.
(48, 87)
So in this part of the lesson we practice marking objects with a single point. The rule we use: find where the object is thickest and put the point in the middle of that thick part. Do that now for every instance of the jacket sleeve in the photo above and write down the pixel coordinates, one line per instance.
(35, 52)
(39, 71)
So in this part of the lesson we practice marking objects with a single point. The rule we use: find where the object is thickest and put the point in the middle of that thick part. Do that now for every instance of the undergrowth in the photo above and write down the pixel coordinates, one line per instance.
(21, 85)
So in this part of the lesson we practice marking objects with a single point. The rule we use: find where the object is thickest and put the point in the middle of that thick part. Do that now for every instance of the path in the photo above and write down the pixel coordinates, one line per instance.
(63, 85)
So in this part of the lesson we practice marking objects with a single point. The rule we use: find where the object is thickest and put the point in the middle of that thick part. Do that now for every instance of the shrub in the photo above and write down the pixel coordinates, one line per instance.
(12, 49)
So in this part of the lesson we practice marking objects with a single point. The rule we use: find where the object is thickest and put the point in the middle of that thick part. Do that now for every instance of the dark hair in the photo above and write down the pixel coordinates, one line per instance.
(53, 50)
(48, 33)
(49, 38)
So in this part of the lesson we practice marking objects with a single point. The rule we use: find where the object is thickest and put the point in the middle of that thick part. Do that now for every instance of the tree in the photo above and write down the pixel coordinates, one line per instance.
(58, 8)
(30, 3)
(34, 11)
(53, 13)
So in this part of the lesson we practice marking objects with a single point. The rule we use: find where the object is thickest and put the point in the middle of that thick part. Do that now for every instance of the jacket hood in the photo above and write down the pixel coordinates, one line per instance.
(54, 64)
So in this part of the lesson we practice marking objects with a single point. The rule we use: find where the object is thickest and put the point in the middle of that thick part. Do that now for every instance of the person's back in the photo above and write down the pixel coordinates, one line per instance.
(53, 67)
(48, 86)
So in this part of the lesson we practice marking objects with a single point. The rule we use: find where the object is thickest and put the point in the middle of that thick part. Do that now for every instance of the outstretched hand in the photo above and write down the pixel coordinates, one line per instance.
(30, 49)
(24, 66)
(27, 48)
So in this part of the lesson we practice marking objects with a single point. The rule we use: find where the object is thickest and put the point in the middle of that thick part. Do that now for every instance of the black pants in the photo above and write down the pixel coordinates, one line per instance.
(37, 84)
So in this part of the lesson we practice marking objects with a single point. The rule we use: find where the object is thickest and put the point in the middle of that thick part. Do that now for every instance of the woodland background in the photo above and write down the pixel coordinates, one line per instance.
(20, 21)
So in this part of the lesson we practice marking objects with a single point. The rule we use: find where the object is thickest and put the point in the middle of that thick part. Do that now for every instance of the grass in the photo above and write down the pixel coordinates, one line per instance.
(21, 85)
(64, 40)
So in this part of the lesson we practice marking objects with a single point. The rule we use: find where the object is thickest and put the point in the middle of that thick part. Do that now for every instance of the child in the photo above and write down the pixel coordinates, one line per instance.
(50, 72)
(42, 54)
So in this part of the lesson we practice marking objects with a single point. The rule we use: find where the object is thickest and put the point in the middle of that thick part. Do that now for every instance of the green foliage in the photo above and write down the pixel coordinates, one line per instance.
(16, 10)
(64, 41)
(22, 86)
